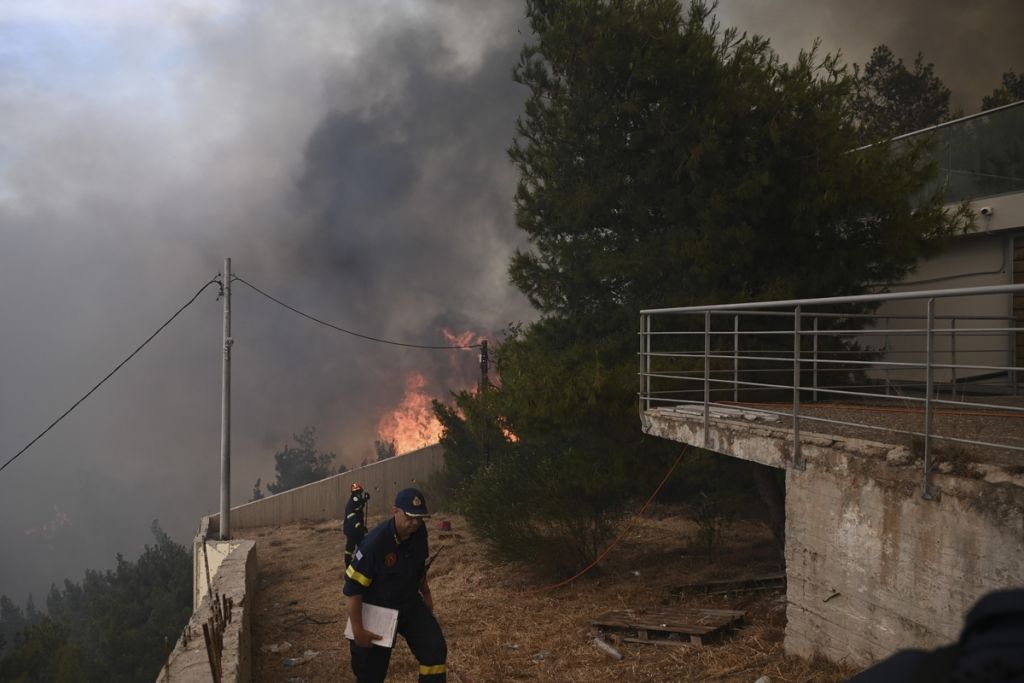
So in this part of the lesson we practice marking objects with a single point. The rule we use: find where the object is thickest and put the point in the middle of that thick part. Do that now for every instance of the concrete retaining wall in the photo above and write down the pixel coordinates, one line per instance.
(189, 662)
(871, 566)
(326, 499)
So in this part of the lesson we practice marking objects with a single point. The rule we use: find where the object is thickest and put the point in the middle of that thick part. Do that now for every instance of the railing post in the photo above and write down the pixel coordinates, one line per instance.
(736, 358)
(642, 394)
(814, 363)
(707, 378)
(647, 361)
(798, 457)
(926, 487)
(798, 460)
(888, 377)
(952, 350)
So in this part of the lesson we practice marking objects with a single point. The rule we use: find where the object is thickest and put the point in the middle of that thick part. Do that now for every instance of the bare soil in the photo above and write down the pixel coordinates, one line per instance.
(503, 624)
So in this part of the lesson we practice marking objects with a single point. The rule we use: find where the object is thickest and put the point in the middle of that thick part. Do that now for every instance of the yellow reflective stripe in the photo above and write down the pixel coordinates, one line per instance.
(350, 515)
(351, 573)
(430, 670)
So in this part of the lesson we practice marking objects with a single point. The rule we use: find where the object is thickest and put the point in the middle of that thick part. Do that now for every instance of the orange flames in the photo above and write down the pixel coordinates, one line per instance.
(412, 424)
(463, 339)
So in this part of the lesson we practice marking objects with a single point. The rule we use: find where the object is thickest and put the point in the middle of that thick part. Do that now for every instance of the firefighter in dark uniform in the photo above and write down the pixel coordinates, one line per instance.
(355, 520)
(389, 570)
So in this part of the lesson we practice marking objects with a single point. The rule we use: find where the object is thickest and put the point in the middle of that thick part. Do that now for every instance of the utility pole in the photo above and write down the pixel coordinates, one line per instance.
(483, 387)
(225, 412)
(483, 365)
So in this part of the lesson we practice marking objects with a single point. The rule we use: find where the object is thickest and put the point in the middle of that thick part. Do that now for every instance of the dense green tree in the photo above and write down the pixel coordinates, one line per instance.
(1011, 90)
(43, 653)
(12, 621)
(891, 99)
(666, 162)
(301, 464)
(112, 626)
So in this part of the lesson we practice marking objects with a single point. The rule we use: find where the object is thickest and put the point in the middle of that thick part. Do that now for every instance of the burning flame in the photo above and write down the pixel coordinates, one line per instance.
(412, 424)
(466, 338)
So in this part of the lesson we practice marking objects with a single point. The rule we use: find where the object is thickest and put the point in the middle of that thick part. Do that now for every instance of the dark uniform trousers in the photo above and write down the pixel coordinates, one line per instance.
(420, 629)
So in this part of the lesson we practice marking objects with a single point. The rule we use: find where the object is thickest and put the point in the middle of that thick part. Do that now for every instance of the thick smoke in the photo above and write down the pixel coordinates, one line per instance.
(971, 43)
(350, 158)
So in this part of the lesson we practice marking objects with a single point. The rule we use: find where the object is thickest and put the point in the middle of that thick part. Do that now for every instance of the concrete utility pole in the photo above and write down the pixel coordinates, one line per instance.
(484, 363)
(225, 413)
(484, 382)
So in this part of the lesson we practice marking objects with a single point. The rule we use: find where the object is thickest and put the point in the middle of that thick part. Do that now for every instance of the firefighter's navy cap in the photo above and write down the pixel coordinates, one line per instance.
(412, 503)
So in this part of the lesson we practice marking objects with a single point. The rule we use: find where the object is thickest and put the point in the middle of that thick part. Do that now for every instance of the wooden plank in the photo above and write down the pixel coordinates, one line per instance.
(670, 643)
(689, 621)
(773, 581)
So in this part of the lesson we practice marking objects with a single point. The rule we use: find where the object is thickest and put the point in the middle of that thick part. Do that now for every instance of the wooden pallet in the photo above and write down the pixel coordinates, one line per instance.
(667, 625)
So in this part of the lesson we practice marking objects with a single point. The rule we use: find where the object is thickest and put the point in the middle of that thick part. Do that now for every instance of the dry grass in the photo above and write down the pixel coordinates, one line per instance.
(502, 625)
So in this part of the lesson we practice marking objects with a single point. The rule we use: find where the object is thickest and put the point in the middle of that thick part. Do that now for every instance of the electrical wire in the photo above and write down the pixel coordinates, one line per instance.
(235, 278)
(622, 533)
(111, 373)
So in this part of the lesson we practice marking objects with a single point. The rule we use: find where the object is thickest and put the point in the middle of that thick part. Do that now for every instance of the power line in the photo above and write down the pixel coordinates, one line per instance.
(342, 329)
(111, 374)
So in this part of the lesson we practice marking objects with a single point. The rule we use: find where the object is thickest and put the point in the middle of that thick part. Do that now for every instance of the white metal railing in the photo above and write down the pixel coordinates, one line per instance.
(949, 352)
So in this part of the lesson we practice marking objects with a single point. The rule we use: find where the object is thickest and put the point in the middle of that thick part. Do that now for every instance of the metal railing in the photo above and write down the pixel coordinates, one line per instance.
(935, 370)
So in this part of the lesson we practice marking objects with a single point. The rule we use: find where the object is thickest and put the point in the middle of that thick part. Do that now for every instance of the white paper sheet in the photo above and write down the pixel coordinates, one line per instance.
(380, 620)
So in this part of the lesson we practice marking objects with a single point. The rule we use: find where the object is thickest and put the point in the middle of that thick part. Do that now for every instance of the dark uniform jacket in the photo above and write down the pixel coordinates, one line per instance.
(385, 571)
(355, 514)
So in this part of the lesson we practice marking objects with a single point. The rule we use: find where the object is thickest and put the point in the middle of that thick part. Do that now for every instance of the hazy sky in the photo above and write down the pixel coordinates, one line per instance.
(350, 158)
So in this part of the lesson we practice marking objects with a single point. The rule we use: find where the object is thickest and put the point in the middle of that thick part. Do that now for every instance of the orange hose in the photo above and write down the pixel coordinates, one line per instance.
(621, 535)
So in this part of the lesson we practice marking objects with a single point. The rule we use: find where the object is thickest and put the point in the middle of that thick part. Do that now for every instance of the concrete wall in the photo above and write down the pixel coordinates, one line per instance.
(189, 662)
(326, 499)
(871, 566)
(207, 556)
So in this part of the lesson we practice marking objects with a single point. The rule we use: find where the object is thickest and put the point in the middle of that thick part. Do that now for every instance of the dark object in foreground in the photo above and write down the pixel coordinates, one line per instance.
(990, 649)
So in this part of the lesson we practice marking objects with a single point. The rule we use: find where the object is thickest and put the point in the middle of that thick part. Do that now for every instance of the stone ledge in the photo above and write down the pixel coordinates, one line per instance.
(236, 579)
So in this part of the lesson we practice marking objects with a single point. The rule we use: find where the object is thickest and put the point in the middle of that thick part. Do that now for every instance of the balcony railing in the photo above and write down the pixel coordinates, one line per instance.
(936, 370)
(978, 156)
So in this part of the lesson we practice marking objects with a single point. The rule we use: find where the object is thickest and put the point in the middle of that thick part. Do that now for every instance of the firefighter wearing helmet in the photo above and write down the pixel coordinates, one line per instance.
(355, 520)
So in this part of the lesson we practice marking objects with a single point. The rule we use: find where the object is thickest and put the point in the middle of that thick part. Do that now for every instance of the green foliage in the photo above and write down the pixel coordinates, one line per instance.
(1011, 90)
(257, 491)
(384, 449)
(663, 162)
(42, 652)
(301, 464)
(12, 621)
(112, 626)
(891, 99)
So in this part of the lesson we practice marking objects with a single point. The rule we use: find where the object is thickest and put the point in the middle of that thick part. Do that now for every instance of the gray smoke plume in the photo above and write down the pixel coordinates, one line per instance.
(971, 43)
(350, 158)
